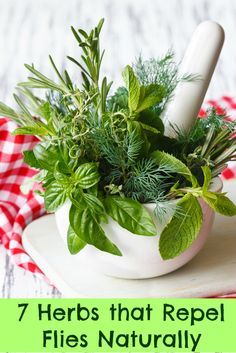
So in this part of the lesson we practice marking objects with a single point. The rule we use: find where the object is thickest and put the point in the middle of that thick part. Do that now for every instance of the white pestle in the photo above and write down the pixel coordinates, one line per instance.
(200, 59)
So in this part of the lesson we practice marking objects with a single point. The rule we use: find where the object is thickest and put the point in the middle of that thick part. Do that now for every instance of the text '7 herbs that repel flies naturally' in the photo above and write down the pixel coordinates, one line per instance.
(111, 338)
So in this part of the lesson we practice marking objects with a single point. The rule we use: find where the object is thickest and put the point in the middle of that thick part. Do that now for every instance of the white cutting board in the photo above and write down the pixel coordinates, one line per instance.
(212, 272)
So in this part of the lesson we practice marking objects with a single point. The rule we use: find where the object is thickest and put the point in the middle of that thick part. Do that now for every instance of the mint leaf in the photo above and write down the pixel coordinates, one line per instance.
(151, 118)
(75, 244)
(149, 128)
(183, 228)
(130, 214)
(132, 86)
(86, 226)
(55, 196)
(207, 178)
(149, 96)
(173, 164)
(220, 203)
(87, 175)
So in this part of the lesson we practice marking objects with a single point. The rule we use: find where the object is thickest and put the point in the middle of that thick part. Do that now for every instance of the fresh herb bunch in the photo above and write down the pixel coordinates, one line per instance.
(107, 154)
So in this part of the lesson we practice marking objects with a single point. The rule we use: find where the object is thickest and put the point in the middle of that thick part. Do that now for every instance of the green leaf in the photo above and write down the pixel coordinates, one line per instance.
(55, 196)
(173, 163)
(150, 96)
(9, 112)
(62, 179)
(132, 86)
(182, 229)
(66, 163)
(45, 111)
(82, 200)
(48, 179)
(130, 214)
(30, 130)
(151, 118)
(149, 128)
(94, 203)
(23, 107)
(86, 226)
(87, 175)
(31, 160)
(75, 244)
(207, 178)
(220, 203)
(47, 155)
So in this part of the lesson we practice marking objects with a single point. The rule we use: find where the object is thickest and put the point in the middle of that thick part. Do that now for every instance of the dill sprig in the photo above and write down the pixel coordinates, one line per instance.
(163, 71)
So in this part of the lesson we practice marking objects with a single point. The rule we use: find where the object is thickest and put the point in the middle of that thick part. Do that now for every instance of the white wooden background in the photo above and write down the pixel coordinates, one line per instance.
(31, 29)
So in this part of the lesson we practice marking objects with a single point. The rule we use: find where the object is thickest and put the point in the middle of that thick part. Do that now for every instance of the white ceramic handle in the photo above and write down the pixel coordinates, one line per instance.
(200, 59)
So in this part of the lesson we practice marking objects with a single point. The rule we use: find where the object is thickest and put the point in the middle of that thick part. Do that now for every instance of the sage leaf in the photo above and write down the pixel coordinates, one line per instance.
(132, 86)
(75, 244)
(130, 214)
(87, 175)
(87, 227)
(182, 229)
(55, 196)
(173, 164)
(220, 203)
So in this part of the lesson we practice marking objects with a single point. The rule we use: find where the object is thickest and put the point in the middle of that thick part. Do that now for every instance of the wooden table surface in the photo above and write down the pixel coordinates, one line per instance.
(30, 30)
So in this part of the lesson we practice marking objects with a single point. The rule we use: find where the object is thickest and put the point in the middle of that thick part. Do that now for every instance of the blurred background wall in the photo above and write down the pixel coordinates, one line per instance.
(31, 29)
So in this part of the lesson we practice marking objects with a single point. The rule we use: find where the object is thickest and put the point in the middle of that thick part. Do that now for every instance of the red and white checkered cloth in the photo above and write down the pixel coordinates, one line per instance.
(17, 210)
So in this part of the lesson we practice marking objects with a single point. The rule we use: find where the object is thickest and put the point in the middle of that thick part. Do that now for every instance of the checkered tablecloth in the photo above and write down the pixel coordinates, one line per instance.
(17, 210)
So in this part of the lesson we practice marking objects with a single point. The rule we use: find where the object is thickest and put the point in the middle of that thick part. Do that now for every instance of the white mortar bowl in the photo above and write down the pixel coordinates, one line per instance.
(141, 258)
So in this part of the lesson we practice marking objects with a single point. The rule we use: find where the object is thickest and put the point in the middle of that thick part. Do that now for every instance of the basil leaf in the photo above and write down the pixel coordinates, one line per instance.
(220, 203)
(87, 175)
(88, 229)
(31, 160)
(130, 214)
(173, 164)
(94, 203)
(207, 178)
(82, 200)
(55, 196)
(75, 244)
(47, 155)
(182, 229)
(48, 179)
(132, 86)
(149, 96)
(62, 179)
(66, 163)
